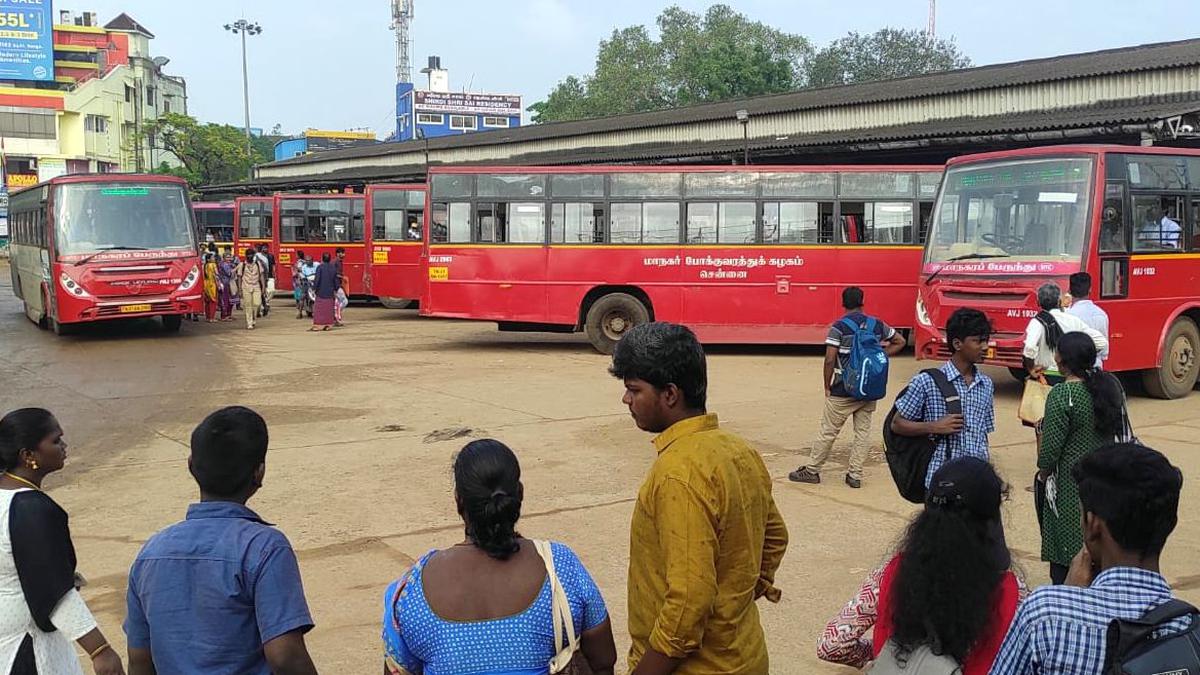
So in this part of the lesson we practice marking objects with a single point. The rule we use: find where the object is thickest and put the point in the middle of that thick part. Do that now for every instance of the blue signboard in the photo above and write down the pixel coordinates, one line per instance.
(26, 40)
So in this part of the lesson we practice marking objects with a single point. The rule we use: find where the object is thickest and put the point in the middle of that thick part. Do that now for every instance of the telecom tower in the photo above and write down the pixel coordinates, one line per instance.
(931, 29)
(402, 16)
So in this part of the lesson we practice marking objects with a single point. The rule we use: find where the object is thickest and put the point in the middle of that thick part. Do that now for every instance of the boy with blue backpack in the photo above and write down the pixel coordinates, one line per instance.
(857, 350)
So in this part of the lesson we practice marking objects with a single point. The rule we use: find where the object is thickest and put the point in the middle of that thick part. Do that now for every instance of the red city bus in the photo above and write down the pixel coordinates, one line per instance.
(740, 254)
(1007, 222)
(395, 221)
(91, 247)
(318, 224)
(253, 224)
(214, 221)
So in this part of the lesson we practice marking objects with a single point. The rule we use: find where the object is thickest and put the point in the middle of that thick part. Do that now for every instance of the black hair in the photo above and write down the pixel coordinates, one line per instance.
(1081, 285)
(250, 253)
(1135, 491)
(664, 353)
(325, 257)
(945, 580)
(227, 448)
(24, 429)
(1078, 355)
(967, 322)
(852, 297)
(300, 255)
(487, 480)
(339, 250)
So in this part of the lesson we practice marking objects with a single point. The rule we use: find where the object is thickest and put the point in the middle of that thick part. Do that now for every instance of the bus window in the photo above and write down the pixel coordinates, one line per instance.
(925, 216)
(626, 226)
(645, 223)
(720, 184)
(291, 220)
(577, 185)
(1195, 223)
(451, 223)
(1157, 223)
(572, 223)
(505, 185)
(721, 222)
(255, 220)
(446, 186)
(799, 184)
(798, 223)
(877, 222)
(701, 223)
(877, 184)
(646, 185)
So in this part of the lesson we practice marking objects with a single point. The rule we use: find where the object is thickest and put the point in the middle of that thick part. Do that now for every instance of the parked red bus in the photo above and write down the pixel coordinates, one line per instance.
(91, 247)
(253, 223)
(318, 224)
(395, 221)
(740, 254)
(1007, 222)
(214, 221)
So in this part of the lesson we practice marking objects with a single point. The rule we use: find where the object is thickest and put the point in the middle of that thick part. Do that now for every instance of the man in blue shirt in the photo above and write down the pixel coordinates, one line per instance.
(922, 410)
(1130, 499)
(220, 592)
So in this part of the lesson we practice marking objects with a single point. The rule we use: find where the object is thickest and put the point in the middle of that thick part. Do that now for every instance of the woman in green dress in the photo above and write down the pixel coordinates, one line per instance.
(1083, 413)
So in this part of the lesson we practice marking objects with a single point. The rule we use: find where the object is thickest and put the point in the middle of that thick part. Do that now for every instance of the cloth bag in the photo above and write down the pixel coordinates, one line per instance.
(569, 660)
(1033, 402)
(920, 661)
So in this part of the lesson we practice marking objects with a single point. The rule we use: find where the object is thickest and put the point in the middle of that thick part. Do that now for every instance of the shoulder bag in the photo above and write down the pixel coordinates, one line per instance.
(569, 660)
(919, 661)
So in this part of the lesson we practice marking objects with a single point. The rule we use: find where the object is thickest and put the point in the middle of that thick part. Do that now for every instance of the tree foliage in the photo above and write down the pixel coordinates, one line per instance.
(696, 58)
(885, 54)
(722, 55)
(208, 153)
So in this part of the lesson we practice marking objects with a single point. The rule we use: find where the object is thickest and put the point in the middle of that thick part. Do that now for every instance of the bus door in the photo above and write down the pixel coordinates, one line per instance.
(252, 224)
(395, 230)
(316, 225)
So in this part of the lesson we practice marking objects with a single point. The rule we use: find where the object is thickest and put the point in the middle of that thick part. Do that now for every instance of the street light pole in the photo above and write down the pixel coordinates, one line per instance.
(242, 28)
(743, 116)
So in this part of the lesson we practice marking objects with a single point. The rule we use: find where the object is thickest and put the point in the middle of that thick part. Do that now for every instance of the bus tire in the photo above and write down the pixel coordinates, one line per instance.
(1179, 368)
(60, 329)
(396, 303)
(172, 322)
(610, 317)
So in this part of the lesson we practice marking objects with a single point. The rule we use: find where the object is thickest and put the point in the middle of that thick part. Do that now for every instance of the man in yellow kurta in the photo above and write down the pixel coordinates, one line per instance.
(706, 536)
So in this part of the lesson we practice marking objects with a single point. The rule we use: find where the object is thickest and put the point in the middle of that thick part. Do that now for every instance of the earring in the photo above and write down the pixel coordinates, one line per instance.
(33, 465)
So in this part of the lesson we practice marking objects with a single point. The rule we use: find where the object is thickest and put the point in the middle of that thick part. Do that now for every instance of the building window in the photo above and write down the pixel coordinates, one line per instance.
(96, 123)
(128, 94)
(464, 122)
(151, 99)
(496, 122)
(27, 124)
(166, 105)
(427, 118)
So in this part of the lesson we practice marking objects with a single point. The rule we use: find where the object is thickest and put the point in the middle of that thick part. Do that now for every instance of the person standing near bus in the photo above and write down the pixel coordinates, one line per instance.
(325, 287)
(1044, 331)
(267, 260)
(839, 405)
(210, 288)
(1089, 312)
(706, 537)
(342, 295)
(225, 270)
(252, 284)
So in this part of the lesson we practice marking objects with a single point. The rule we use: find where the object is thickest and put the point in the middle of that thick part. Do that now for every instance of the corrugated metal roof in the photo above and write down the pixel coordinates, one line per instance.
(1113, 61)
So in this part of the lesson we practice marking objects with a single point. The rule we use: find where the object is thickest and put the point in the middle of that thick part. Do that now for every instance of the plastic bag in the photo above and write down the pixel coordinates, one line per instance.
(1033, 402)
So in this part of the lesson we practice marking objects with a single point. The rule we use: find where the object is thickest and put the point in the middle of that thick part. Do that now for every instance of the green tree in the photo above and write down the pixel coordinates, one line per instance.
(208, 153)
(697, 58)
(885, 54)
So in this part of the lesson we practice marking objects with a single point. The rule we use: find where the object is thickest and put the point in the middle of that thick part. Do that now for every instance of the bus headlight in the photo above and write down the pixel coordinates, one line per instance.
(923, 314)
(190, 280)
(72, 288)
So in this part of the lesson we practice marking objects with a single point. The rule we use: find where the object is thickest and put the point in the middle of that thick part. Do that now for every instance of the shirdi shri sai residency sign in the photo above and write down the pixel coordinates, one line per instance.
(26, 40)
(502, 105)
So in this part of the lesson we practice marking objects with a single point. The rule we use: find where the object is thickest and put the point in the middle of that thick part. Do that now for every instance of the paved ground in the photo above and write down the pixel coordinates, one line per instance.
(358, 472)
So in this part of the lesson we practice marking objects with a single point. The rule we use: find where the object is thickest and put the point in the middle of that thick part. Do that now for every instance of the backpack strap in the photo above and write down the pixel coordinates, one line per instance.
(854, 328)
(946, 387)
(870, 325)
(1125, 634)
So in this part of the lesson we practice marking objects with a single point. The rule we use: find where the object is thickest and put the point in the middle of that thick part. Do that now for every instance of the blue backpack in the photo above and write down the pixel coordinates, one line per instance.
(865, 370)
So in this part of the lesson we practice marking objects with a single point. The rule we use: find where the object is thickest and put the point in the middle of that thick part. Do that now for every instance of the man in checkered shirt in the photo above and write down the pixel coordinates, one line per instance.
(922, 409)
(1130, 498)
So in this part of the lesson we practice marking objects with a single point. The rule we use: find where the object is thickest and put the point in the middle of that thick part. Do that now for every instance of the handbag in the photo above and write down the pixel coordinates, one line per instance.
(1033, 401)
(568, 660)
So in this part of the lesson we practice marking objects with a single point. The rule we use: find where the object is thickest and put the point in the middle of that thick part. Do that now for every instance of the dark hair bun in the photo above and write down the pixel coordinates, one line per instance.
(487, 479)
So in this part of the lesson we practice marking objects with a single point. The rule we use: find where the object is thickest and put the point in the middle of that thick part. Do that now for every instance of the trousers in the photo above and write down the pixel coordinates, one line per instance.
(838, 409)
(251, 302)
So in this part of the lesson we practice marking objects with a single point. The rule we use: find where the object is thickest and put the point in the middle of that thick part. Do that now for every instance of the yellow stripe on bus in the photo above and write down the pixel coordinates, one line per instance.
(1168, 256)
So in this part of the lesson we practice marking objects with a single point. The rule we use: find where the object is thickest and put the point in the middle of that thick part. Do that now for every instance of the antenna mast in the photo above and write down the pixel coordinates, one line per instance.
(402, 16)
(931, 29)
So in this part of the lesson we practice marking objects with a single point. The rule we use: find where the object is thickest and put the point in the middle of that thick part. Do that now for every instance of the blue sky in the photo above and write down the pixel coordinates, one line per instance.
(330, 65)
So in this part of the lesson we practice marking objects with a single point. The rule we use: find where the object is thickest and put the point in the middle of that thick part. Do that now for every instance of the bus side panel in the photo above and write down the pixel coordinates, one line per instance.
(577, 270)
(508, 287)
(354, 267)
(395, 269)
(1159, 287)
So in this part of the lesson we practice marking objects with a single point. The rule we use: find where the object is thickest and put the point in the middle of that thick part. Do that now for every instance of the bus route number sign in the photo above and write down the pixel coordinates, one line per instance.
(439, 273)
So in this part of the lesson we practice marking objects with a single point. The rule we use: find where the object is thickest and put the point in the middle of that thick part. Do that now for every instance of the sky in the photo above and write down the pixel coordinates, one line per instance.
(331, 65)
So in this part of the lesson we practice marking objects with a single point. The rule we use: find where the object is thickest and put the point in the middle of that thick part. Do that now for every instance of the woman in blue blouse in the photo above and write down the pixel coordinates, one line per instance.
(484, 605)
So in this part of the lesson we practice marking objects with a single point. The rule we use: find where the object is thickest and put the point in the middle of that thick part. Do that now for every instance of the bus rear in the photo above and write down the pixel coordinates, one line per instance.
(1008, 222)
(119, 247)
(214, 222)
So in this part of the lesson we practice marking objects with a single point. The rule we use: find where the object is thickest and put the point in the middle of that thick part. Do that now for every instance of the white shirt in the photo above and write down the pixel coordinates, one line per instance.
(1035, 339)
(1095, 318)
(1166, 233)
(53, 652)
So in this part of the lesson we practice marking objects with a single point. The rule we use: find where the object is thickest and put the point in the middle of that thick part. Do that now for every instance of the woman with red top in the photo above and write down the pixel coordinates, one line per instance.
(948, 589)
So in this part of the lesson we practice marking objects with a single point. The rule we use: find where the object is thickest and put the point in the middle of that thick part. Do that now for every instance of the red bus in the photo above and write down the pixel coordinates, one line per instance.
(1007, 222)
(395, 222)
(253, 224)
(318, 224)
(754, 254)
(214, 221)
(92, 247)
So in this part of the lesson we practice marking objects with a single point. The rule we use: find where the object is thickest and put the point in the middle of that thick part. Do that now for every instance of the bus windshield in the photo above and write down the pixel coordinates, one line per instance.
(93, 217)
(1028, 210)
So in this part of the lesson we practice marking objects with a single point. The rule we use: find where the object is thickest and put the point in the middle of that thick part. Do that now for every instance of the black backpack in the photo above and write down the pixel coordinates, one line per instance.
(1134, 650)
(908, 457)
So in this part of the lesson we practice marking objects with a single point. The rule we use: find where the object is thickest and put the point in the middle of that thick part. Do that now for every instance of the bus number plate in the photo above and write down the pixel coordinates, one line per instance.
(439, 273)
(133, 309)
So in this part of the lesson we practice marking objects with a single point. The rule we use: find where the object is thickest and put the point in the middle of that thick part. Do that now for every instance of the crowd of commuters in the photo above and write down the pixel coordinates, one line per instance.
(320, 289)
(221, 591)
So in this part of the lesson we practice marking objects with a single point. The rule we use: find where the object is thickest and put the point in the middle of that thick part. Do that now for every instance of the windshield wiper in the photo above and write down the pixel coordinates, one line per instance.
(106, 249)
(969, 256)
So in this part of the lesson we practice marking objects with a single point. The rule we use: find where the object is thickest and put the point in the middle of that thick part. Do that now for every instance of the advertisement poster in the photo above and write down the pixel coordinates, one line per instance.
(477, 104)
(26, 40)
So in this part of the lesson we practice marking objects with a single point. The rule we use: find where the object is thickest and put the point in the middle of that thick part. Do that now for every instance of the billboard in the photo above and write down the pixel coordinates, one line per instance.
(502, 105)
(26, 40)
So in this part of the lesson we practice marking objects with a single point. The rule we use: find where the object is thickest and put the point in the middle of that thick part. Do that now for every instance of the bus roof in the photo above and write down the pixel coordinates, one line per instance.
(106, 178)
(212, 205)
(1082, 149)
(707, 168)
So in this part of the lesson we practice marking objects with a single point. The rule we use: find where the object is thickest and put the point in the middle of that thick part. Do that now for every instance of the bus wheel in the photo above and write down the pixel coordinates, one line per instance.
(172, 322)
(610, 317)
(1176, 374)
(60, 328)
(395, 303)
